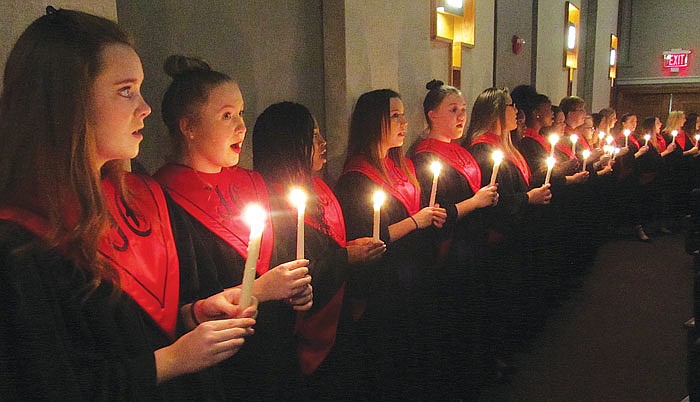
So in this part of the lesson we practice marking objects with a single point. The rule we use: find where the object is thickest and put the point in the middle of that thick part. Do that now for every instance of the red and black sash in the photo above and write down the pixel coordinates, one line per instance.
(561, 146)
(217, 201)
(660, 143)
(400, 187)
(456, 156)
(142, 248)
(681, 139)
(513, 157)
(631, 138)
(316, 332)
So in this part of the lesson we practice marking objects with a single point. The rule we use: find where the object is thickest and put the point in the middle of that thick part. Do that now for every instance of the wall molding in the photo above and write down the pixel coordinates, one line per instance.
(659, 80)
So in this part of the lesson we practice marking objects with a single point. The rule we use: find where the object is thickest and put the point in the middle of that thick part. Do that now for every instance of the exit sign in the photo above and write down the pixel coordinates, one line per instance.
(676, 59)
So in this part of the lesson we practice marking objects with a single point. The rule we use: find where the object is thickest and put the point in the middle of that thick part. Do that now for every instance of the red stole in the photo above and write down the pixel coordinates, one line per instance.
(515, 158)
(456, 156)
(142, 248)
(681, 139)
(316, 332)
(561, 147)
(217, 201)
(631, 138)
(400, 187)
(660, 143)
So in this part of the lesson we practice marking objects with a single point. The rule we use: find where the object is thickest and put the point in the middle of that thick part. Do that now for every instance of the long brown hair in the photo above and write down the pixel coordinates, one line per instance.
(490, 109)
(48, 160)
(369, 124)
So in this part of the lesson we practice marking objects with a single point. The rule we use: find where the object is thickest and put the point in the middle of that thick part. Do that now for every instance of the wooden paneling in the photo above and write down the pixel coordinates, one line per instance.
(655, 100)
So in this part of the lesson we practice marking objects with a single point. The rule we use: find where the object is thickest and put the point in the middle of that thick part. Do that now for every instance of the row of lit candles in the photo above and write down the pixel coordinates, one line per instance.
(255, 215)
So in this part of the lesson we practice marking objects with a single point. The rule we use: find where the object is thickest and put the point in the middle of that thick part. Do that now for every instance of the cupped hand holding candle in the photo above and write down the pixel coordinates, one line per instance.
(586, 154)
(377, 200)
(574, 140)
(436, 168)
(550, 165)
(553, 139)
(497, 159)
(298, 198)
(254, 216)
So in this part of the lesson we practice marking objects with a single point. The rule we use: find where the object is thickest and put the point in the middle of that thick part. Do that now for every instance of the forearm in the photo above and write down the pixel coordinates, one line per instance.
(402, 228)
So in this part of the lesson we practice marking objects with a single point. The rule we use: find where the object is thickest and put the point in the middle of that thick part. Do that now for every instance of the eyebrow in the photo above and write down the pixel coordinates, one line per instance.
(127, 81)
(227, 107)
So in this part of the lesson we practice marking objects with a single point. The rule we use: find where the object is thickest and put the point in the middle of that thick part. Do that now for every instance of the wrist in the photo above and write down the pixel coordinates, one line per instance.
(415, 222)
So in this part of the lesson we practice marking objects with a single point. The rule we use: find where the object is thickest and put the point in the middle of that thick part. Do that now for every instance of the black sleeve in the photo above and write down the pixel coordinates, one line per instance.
(354, 191)
(55, 345)
(424, 175)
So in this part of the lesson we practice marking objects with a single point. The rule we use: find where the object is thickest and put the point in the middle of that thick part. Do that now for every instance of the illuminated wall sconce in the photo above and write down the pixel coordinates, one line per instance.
(571, 34)
(613, 59)
(452, 22)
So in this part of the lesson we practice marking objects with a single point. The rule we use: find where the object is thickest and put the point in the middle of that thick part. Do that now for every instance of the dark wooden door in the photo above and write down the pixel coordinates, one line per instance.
(656, 100)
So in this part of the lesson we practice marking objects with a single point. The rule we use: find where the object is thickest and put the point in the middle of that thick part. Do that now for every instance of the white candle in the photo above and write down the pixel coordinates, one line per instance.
(626, 133)
(647, 137)
(378, 200)
(553, 139)
(436, 167)
(674, 133)
(254, 215)
(497, 159)
(615, 152)
(697, 140)
(609, 141)
(298, 198)
(586, 153)
(574, 140)
(601, 135)
(550, 165)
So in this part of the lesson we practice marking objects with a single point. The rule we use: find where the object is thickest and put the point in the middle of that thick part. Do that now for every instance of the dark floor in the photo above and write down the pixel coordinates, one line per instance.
(619, 337)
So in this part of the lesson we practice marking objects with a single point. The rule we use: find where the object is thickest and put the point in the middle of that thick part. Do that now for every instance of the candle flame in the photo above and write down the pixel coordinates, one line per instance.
(553, 139)
(436, 167)
(697, 137)
(609, 139)
(378, 199)
(617, 150)
(298, 198)
(674, 133)
(586, 153)
(626, 132)
(647, 137)
(497, 157)
(601, 135)
(573, 138)
(550, 162)
(254, 216)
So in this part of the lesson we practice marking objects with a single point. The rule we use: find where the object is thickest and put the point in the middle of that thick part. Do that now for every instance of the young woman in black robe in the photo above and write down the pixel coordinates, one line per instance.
(289, 151)
(78, 321)
(203, 110)
(393, 289)
(492, 119)
(455, 347)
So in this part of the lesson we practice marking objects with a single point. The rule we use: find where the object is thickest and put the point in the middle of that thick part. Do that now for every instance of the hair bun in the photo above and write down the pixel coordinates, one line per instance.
(434, 84)
(177, 64)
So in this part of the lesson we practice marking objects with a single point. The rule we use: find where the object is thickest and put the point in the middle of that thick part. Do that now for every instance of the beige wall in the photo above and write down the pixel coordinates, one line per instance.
(606, 25)
(552, 77)
(514, 18)
(16, 15)
(477, 62)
